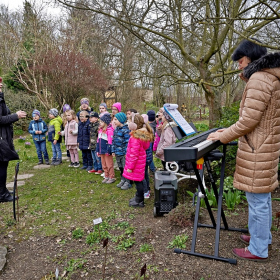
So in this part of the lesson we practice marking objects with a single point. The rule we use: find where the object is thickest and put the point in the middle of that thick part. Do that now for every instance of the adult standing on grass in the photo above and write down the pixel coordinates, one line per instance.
(6, 133)
(258, 130)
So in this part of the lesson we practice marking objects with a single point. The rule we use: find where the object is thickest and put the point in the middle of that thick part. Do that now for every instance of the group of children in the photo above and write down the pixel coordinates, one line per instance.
(131, 138)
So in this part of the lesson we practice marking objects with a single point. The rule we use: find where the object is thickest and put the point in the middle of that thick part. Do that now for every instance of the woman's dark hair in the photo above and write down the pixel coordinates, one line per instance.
(249, 49)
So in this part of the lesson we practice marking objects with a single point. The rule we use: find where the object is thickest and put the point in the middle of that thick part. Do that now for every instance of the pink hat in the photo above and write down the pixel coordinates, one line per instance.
(145, 117)
(118, 105)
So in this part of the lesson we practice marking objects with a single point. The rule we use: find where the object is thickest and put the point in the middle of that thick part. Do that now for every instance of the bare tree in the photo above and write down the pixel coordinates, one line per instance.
(197, 37)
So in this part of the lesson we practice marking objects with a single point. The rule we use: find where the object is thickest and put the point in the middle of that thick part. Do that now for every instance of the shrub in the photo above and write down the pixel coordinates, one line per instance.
(230, 115)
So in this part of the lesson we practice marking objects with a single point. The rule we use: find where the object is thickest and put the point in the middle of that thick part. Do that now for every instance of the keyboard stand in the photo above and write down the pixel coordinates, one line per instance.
(220, 213)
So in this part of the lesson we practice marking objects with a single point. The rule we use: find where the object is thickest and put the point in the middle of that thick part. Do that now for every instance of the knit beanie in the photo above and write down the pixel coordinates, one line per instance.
(151, 115)
(35, 112)
(66, 107)
(106, 118)
(84, 101)
(168, 118)
(53, 112)
(121, 117)
(1, 79)
(118, 105)
(104, 105)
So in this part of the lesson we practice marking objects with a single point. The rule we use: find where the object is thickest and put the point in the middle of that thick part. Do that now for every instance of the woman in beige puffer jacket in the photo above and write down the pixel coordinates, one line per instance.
(258, 130)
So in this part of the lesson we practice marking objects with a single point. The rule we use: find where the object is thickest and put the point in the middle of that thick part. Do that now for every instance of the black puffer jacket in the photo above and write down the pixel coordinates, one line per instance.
(6, 121)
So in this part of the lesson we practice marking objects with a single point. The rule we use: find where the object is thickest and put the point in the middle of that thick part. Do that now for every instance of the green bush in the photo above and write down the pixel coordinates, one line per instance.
(230, 115)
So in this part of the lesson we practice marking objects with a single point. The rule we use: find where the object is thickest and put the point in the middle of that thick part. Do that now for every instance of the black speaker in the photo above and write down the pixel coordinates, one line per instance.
(166, 190)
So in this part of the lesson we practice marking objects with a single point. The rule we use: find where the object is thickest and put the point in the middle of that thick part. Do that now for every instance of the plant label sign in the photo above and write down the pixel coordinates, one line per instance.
(97, 221)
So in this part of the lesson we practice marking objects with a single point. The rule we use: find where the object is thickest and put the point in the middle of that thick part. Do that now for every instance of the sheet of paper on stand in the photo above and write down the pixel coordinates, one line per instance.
(171, 109)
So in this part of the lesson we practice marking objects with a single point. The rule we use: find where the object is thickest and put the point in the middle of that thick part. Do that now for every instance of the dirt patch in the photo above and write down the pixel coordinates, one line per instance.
(37, 257)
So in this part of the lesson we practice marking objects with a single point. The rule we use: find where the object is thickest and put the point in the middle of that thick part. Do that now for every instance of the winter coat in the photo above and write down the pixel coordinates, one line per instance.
(54, 128)
(120, 140)
(71, 138)
(135, 159)
(153, 125)
(84, 135)
(167, 138)
(258, 127)
(6, 121)
(39, 125)
(93, 135)
(105, 140)
(149, 154)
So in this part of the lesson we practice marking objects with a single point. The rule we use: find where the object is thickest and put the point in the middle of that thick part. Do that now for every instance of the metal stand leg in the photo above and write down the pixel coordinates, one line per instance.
(220, 214)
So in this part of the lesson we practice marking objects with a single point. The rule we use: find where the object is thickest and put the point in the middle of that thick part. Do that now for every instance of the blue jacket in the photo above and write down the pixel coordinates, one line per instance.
(149, 154)
(120, 140)
(84, 135)
(39, 125)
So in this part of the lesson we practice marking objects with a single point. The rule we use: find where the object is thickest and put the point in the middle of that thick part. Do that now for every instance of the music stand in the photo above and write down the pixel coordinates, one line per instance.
(220, 212)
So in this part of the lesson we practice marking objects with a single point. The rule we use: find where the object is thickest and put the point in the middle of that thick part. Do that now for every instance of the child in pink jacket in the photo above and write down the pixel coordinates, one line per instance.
(135, 161)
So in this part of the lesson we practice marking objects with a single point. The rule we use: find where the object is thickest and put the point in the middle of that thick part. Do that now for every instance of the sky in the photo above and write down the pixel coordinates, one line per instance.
(18, 4)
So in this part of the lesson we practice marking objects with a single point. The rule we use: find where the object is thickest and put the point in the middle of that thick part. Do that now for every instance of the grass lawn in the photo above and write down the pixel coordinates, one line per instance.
(59, 198)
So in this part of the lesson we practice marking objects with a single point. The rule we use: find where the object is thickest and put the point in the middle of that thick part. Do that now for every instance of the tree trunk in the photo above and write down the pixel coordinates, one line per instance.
(215, 107)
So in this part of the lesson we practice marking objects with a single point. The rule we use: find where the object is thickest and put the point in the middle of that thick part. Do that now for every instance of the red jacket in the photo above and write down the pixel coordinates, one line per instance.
(135, 159)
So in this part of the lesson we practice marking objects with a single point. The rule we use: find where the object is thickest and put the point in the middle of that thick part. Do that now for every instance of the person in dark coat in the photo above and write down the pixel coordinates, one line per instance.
(84, 140)
(6, 132)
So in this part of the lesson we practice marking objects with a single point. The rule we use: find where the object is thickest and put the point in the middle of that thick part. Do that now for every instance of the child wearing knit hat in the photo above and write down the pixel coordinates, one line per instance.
(84, 107)
(103, 109)
(152, 119)
(116, 108)
(38, 128)
(94, 127)
(54, 137)
(120, 140)
(104, 148)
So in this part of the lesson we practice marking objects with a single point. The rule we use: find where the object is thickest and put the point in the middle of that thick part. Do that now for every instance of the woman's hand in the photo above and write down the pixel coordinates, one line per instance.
(215, 135)
(54, 142)
(128, 170)
(21, 114)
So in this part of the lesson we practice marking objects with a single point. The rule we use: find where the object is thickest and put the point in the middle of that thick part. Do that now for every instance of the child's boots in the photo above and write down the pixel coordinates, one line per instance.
(136, 202)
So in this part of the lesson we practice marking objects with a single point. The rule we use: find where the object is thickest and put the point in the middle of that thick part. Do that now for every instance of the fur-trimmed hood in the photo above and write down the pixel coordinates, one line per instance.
(171, 124)
(142, 134)
(269, 63)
